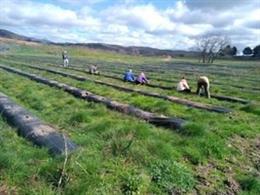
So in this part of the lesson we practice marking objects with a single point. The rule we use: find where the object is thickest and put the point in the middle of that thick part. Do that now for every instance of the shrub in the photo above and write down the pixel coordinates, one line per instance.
(121, 145)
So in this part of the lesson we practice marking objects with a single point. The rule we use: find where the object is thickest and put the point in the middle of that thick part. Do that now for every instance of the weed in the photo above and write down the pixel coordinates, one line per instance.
(193, 129)
(171, 176)
(250, 184)
(252, 108)
(131, 184)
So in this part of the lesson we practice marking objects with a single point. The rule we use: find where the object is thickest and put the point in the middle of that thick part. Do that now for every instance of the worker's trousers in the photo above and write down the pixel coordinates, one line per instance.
(203, 86)
(66, 62)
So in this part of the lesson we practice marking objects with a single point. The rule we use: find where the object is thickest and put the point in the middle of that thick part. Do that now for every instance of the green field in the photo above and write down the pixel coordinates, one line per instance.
(120, 154)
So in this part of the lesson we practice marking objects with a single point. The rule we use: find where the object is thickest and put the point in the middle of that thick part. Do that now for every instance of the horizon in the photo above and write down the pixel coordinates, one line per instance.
(173, 25)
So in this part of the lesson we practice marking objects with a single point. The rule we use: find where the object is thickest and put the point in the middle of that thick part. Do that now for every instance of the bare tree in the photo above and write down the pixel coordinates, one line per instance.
(210, 47)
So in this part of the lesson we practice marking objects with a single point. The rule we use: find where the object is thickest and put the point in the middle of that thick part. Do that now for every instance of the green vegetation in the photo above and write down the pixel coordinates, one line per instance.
(120, 154)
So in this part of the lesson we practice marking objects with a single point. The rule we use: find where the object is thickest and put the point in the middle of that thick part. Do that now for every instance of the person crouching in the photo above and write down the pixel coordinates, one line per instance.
(141, 79)
(203, 85)
(93, 69)
(129, 76)
(183, 86)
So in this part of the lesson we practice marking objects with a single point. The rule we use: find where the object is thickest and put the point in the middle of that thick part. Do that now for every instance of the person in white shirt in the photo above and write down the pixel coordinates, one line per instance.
(65, 59)
(93, 69)
(183, 86)
(203, 85)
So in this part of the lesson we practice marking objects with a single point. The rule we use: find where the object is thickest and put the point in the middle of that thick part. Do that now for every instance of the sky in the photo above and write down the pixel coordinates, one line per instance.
(164, 24)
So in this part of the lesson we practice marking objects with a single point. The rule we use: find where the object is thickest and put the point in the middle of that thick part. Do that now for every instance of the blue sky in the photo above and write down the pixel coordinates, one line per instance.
(166, 24)
(101, 4)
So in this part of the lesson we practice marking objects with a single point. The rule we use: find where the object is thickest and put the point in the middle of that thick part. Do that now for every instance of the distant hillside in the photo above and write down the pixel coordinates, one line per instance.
(11, 35)
(132, 50)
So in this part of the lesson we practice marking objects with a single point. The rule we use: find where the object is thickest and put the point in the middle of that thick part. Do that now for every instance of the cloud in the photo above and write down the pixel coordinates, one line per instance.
(39, 14)
(253, 24)
(219, 4)
(133, 22)
(81, 2)
(145, 17)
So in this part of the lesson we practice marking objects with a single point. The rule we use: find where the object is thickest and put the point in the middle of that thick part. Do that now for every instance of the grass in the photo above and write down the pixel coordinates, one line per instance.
(120, 154)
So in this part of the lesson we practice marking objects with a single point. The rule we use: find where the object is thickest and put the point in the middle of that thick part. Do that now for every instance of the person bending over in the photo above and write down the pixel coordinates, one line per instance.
(93, 69)
(203, 85)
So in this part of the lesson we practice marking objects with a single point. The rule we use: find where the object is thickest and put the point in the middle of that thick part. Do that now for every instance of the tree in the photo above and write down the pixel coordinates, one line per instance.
(257, 51)
(227, 51)
(234, 51)
(247, 51)
(211, 46)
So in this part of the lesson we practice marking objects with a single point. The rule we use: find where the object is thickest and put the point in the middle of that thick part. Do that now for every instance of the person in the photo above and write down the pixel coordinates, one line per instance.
(129, 76)
(203, 84)
(141, 79)
(65, 59)
(93, 69)
(183, 86)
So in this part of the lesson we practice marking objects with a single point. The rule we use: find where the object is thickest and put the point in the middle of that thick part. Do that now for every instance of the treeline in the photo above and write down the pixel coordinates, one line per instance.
(228, 51)
(232, 51)
(255, 52)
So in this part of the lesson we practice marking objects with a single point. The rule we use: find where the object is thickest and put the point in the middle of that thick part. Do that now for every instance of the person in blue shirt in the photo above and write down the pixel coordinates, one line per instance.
(129, 76)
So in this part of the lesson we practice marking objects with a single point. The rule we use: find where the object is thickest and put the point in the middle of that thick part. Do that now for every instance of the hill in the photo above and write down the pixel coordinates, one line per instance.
(11, 35)
(131, 50)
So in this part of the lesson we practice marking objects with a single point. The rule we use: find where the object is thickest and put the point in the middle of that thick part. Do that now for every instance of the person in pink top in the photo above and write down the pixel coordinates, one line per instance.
(183, 86)
(141, 79)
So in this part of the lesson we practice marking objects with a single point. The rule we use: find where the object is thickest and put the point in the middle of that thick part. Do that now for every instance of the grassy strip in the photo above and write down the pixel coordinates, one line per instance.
(190, 145)
(107, 162)
(170, 98)
(253, 107)
(171, 70)
(162, 68)
(31, 128)
(143, 102)
(24, 168)
(219, 97)
(170, 122)
(227, 89)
